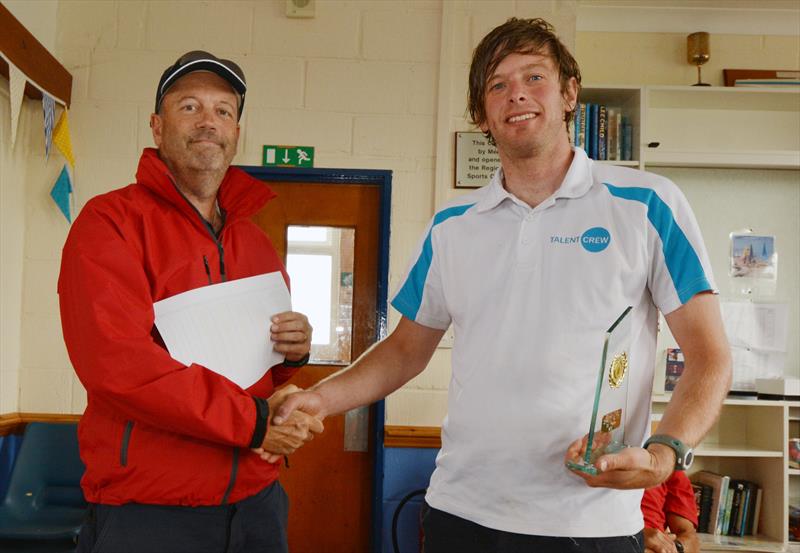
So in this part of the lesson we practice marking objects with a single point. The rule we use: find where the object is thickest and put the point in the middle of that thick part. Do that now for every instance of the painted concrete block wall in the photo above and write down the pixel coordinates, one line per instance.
(12, 221)
(348, 82)
(371, 84)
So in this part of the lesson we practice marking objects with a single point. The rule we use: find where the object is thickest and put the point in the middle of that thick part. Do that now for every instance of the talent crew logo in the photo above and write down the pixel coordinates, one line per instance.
(594, 240)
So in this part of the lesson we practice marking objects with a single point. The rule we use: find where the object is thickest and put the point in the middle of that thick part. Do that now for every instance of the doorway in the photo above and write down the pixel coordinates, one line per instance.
(331, 227)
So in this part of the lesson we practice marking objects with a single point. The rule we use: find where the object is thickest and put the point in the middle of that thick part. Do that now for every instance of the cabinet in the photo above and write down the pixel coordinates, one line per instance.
(686, 126)
(751, 441)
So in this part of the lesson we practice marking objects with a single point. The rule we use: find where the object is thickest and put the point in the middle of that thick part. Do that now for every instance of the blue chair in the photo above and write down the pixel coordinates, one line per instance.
(44, 501)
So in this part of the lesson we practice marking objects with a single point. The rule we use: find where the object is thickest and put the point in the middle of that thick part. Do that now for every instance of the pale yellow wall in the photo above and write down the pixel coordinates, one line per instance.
(13, 164)
(660, 58)
(17, 165)
(362, 82)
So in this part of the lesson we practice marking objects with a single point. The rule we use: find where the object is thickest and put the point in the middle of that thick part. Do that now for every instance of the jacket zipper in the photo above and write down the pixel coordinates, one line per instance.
(208, 269)
(223, 278)
(220, 250)
(126, 438)
(232, 480)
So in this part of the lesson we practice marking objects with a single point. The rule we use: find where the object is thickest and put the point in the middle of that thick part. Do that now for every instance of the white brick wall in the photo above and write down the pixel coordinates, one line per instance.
(361, 82)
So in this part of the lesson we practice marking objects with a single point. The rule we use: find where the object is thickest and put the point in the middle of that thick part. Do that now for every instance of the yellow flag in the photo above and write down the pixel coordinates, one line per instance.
(62, 140)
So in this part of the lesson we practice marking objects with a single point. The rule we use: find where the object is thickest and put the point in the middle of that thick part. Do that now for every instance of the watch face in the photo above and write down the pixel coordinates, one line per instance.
(679, 546)
(688, 460)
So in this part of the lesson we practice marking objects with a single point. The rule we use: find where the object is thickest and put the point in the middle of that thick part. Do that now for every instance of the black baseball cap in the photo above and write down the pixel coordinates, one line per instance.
(198, 60)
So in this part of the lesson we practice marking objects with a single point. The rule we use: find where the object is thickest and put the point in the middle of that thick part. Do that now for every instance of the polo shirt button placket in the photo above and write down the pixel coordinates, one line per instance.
(525, 250)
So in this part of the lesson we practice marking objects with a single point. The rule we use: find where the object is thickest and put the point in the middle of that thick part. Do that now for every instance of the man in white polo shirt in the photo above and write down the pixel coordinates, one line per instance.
(531, 270)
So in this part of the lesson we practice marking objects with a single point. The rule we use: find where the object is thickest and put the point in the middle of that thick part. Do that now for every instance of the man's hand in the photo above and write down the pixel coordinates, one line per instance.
(286, 438)
(631, 468)
(292, 334)
(306, 401)
(656, 541)
(297, 429)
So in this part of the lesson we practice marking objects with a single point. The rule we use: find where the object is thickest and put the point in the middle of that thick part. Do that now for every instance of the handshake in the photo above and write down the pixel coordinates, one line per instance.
(291, 424)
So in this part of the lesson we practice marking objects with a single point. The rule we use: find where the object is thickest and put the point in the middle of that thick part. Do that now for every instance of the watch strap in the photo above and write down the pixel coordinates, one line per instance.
(683, 453)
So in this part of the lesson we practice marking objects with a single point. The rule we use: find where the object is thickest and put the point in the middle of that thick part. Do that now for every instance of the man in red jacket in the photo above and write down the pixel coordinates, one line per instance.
(167, 447)
(670, 516)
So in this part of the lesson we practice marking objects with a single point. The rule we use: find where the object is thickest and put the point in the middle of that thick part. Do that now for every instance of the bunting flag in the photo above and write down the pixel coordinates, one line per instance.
(16, 86)
(62, 192)
(49, 109)
(62, 140)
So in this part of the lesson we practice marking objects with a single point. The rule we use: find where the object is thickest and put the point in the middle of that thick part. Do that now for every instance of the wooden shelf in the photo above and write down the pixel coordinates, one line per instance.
(664, 398)
(777, 159)
(709, 542)
(739, 450)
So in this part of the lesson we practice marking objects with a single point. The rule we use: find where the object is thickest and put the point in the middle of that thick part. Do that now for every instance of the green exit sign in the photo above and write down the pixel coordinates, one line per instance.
(288, 156)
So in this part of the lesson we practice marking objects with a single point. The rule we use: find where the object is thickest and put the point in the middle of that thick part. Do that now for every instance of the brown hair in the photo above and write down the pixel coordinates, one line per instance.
(517, 36)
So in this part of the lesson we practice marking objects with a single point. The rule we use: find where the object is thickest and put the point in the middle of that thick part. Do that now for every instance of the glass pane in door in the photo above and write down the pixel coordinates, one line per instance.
(320, 265)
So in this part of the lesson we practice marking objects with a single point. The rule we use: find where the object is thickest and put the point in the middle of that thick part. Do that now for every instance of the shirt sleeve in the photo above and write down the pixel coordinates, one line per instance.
(680, 497)
(653, 507)
(420, 296)
(679, 261)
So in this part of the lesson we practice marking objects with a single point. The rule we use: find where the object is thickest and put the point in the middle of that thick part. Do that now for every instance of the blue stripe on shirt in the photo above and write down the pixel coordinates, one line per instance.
(682, 261)
(409, 299)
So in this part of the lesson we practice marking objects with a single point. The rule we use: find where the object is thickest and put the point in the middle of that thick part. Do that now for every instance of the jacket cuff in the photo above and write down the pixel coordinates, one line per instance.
(262, 416)
(299, 363)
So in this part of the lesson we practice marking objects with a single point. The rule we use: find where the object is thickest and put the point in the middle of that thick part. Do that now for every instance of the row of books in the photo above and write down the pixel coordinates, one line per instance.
(603, 132)
(726, 506)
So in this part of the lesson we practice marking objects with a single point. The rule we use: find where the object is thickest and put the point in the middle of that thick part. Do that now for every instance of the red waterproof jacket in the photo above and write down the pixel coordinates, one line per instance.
(154, 430)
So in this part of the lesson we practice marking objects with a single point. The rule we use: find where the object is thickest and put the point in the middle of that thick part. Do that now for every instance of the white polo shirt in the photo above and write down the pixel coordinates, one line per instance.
(530, 293)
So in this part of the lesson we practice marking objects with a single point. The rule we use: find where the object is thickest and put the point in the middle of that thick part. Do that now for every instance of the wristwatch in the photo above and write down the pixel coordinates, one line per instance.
(679, 546)
(683, 453)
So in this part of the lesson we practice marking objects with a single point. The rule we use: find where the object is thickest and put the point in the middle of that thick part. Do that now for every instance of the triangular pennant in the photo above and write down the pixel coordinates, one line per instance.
(61, 138)
(16, 87)
(61, 192)
(49, 110)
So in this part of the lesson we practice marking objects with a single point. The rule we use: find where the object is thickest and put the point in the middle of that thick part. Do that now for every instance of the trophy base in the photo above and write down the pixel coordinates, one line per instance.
(588, 467)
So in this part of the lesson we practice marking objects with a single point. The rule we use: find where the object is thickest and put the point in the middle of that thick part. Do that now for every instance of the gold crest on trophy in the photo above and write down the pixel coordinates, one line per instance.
(618, 369)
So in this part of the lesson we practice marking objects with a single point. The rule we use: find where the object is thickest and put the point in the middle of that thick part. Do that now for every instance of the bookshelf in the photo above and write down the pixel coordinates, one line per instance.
(685, 126)
(750, 441)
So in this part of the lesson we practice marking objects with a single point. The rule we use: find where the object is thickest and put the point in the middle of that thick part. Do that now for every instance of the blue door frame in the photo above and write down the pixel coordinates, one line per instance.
(382, 179)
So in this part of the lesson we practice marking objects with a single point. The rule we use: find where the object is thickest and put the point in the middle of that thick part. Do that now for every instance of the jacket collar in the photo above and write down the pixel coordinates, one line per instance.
(240, 195)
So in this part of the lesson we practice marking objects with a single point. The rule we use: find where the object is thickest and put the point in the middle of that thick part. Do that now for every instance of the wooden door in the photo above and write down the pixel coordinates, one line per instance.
(331, 490)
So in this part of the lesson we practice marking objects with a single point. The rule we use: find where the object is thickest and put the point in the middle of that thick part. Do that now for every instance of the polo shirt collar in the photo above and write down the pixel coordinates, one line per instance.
(576, 183)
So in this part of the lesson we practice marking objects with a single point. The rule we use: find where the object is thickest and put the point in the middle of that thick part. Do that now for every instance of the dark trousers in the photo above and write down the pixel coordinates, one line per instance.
(256, 524)
(446, 533)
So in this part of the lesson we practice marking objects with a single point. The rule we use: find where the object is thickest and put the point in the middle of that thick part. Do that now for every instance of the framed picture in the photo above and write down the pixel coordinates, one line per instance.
(753, 256)
(761, 77)
(476, 160)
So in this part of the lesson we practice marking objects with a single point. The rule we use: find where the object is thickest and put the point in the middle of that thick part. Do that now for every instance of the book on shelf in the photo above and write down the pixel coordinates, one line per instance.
(613, 148)
(705, 506)
(627, 139)
(602, 131)
(793, 84)
(736, 506)
(582, 127)
(591, 129)
(743, 508)
(794, 522)
(674, 368)
(718, 485)
(726, 518)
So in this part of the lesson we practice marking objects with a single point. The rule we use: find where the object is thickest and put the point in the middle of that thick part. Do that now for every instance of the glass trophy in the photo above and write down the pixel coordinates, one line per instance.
(610, 410)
